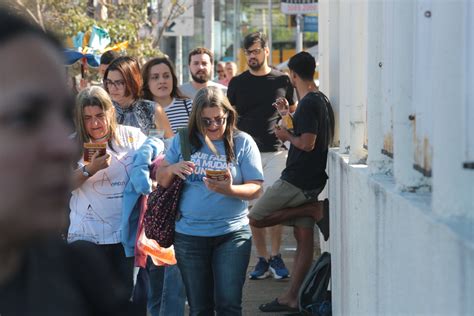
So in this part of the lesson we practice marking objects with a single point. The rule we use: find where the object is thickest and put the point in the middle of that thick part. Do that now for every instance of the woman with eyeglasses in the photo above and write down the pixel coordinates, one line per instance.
(123, 82)
(213, 238)
(160, 84)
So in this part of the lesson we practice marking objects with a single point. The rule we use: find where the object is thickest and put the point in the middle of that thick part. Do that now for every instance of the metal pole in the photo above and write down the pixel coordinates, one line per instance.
(236, 44)
(270, 11)
(179, 59)
(209, 24)
(299, 34)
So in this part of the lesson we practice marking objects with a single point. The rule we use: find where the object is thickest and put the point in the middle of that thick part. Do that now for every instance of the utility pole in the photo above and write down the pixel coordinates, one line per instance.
(179, 59)
(299, 34)
(236, 44)
(209, 24)
(270, 44)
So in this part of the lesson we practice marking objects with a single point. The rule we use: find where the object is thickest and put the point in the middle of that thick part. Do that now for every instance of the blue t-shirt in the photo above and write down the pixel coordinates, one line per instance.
(205, 212)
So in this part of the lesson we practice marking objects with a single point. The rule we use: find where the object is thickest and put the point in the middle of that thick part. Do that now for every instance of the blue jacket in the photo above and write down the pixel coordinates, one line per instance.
(139, 184)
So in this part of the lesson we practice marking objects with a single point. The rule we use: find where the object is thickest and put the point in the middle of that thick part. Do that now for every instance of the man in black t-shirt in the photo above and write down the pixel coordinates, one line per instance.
(253, 93)
(292, 200)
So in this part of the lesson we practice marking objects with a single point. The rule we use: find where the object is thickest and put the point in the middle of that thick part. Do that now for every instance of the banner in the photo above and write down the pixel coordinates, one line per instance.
(294, 7)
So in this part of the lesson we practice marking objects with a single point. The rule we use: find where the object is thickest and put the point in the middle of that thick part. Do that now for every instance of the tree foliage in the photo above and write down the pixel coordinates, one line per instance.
(67, 18)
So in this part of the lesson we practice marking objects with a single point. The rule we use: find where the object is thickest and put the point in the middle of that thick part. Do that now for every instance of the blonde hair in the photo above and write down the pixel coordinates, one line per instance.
(95, 96)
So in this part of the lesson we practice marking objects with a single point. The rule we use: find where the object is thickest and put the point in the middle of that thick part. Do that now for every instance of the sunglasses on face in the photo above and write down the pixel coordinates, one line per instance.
(218, 121)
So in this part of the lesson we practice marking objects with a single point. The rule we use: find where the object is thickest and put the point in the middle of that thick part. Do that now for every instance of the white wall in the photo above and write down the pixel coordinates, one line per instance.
(402, 221)
(390, 254)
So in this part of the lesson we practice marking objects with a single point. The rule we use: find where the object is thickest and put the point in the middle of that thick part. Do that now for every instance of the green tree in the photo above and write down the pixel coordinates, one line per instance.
(67, 18)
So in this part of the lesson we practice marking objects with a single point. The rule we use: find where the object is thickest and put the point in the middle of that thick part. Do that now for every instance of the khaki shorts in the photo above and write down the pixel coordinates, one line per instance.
(272, 163)
(281, 195)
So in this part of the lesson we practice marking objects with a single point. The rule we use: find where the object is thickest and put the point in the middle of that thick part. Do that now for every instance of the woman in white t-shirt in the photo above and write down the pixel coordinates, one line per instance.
(160, 85)
(96, 201)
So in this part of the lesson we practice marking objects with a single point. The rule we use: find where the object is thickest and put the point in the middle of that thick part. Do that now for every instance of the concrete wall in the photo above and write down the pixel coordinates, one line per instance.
(401, 189)
(391, 255)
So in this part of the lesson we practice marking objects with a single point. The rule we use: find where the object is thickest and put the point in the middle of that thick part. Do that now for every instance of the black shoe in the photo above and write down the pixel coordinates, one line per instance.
(323, 224)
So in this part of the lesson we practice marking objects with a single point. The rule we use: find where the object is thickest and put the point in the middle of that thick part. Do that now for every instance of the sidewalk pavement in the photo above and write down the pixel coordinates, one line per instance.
(257, 292)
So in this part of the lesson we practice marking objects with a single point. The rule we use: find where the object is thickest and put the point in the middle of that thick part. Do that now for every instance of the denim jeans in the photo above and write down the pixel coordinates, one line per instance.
(214, 270)
(166, 295)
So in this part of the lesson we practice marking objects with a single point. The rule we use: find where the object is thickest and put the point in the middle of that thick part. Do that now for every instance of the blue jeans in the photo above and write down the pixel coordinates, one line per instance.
(166, 295)
(214, 270)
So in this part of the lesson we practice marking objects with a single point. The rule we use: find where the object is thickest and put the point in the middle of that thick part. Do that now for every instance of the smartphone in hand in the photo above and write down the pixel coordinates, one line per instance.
(91, 148)
(219, 175)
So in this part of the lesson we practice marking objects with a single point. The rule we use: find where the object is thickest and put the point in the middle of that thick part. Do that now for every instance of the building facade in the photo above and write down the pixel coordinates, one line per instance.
(400, 76)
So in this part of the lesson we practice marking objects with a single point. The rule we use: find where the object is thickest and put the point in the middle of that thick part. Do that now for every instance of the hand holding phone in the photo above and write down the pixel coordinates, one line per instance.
(282, 106)
(91, 148)
(219, 175)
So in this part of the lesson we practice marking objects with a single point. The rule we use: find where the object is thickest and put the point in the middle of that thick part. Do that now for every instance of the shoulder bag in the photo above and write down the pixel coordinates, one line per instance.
(160, 217)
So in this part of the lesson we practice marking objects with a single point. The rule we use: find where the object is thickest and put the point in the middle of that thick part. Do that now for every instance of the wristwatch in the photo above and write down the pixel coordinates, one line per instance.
(85, 173)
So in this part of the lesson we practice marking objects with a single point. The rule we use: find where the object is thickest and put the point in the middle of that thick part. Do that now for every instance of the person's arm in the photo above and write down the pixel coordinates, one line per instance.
(292, 107)
(246, 191)
(305, 141)
(231, 91)
(96, 164)
(291, 96)
(162, 122)
(250, 165)
(166, 172)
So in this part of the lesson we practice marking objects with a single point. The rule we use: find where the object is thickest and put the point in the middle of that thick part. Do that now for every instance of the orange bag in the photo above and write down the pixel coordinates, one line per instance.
(148, 247)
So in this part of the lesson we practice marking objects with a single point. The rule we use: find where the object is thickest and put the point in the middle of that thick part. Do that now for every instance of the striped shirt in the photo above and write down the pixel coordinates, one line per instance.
(178, 113)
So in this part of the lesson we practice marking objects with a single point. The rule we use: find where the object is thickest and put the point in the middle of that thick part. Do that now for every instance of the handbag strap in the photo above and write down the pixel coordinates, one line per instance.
(185, 145)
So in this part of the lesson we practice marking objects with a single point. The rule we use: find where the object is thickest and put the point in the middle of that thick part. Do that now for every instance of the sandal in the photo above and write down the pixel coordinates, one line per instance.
(275, 306)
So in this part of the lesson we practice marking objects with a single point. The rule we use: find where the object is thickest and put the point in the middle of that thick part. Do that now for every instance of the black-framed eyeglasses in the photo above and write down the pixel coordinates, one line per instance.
(255, 51)
(218, 121)
(118, 84)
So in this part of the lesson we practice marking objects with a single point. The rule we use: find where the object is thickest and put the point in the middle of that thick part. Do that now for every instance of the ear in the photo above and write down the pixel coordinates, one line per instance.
(293, 75)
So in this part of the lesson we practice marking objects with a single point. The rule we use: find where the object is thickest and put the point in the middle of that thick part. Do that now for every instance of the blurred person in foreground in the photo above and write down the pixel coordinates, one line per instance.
(39, 273)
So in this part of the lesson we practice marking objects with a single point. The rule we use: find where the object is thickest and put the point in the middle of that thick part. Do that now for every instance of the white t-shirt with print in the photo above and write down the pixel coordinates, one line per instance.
(96, 206)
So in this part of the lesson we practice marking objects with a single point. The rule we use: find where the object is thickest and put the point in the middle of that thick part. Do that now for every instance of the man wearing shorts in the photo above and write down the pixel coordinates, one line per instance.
(292, 200)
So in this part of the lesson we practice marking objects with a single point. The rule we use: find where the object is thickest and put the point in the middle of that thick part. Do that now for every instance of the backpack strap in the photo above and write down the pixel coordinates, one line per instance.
(185, 145)
(186, 106)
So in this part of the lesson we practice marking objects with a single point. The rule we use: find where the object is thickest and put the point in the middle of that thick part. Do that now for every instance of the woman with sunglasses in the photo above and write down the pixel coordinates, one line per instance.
(123, 82)
(160, 84)
(213, 239)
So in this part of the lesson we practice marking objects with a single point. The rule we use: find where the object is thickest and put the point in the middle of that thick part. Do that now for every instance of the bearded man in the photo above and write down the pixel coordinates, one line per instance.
(200, 62)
